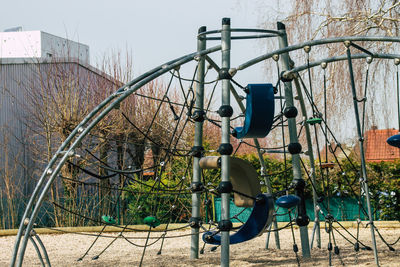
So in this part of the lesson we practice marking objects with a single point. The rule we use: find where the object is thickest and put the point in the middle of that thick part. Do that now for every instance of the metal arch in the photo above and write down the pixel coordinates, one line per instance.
(315, 43)
(39, 254)
(339, 58)
(71, 136)
(120, 94)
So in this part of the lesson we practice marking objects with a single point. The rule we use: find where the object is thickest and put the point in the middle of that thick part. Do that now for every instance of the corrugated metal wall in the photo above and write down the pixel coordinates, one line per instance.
(14, 160)
(17, 134)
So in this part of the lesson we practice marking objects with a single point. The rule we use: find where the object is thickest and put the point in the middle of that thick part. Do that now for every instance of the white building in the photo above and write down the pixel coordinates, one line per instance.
(40, 45)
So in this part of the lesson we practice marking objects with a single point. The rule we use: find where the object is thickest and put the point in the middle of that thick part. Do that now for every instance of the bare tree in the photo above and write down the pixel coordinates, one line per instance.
(325, 19)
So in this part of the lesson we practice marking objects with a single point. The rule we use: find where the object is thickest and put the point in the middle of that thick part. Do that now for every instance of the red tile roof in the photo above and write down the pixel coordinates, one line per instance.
(376, 148)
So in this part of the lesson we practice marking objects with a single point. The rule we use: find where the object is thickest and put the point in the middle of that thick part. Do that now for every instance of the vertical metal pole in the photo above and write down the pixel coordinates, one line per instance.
(118, 210)
(316, 228)
(302, 219)
(398, 93)
(225, 137)
(269, 191)
(198, 142)
(260, 154)
(361, 144)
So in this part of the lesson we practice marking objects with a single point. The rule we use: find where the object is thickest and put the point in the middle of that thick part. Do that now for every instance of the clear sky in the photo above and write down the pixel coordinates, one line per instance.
(154, 31)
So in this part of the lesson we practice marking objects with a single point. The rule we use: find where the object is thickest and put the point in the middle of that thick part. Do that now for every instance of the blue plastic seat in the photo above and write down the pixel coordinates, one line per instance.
(259, 113)
(287, 202)
(394, 140)
(259, 219)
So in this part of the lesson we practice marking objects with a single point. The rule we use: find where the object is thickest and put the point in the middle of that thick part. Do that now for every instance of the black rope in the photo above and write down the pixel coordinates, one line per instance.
(211, 97)
(289, 224)
(282, 129)
(120, 236)
(94, 242)
(190, 80)
(365, 99)
(384, 241)
(163, 101)
(170, 211)
(167, 156)
(239, 85)
(142, 246)
(295, 248)
(151, 140)
(170, 192)
(328, 128)
(145, 246)
(100, 177)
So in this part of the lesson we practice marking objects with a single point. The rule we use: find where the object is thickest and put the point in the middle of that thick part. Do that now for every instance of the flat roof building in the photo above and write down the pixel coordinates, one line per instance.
(40, 45)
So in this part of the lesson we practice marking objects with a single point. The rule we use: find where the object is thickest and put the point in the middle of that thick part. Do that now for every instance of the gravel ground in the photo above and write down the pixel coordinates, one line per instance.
(65, 249)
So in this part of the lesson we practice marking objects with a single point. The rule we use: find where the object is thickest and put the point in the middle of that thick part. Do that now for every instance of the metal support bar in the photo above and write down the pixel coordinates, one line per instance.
(37, 251)
(336, 59)
(288, 49)
(46, 256)
(398, 96)
(83, 129)
(362, 155)
(297, 178)
(316, 229)
(225, 138)
(198, 142)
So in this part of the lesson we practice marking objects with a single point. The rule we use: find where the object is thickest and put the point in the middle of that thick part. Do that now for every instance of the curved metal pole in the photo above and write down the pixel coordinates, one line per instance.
(274, 32)
(247, 37)
(122, 93)
(66, 142)
(46, 256)
(338, 58)
(37, 250)
(317, 42)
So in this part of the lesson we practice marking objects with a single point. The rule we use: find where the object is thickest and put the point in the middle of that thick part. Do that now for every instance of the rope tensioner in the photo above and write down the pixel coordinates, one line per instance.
(151, 221)
(108, 219)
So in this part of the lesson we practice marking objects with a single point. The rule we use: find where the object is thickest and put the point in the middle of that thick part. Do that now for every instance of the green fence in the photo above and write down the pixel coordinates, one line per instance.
(342, 208)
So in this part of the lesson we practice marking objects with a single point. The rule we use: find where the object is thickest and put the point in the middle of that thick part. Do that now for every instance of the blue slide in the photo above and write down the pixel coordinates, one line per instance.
(260, 218)
(260, 108)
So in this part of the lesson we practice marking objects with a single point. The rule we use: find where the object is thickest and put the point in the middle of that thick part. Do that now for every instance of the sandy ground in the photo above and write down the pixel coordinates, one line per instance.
(65, 249)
